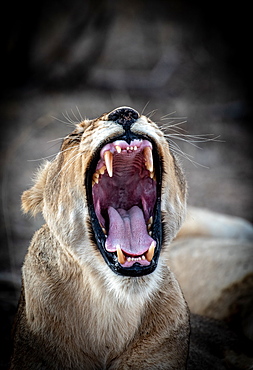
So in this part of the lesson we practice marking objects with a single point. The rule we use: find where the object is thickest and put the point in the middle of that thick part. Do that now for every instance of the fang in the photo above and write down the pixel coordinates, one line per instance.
(147, 152)
(108, 157)
(150, 253)
(120, 255)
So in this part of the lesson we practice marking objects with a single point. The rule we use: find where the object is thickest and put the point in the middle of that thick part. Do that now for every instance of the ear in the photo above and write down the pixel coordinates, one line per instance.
(32, 199)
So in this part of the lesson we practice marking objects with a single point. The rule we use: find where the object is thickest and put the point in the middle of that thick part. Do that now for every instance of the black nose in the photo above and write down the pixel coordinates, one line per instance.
(124, 116)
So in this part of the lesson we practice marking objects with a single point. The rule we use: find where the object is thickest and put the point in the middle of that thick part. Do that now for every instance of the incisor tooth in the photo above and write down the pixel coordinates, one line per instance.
(118, 148)
(95, 178)
(108, 157)
(120, 255)
(150, 220)
(150, 253)
(147, 152)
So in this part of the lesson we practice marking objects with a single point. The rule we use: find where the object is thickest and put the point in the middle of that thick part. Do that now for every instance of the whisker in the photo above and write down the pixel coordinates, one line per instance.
(191, 142)
(51, 155)
(172, 131)
(82, 119)
(201, 138)
(77, 119)
(65, 123)
(178, 151)
(58, 139)
(68, 118)
(145, 106)
(174, 145)
(152, 113)
(168, 126)
(163, 118)
(42, 158)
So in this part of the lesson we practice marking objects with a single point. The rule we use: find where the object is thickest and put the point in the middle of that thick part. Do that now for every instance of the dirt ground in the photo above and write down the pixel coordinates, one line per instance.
(161, 67)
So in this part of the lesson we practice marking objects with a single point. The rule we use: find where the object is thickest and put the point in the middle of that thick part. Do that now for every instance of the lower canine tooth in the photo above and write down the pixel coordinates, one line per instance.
(150, 253)
(120, 255)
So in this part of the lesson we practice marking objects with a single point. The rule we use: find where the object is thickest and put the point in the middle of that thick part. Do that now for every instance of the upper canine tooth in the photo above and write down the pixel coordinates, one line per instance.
(108, 157)
(120, 255)
(147, 152)
(150, 253)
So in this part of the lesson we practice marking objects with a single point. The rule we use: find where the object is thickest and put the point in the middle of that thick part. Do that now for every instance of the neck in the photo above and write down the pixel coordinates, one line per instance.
(117, 303)
(92, 316)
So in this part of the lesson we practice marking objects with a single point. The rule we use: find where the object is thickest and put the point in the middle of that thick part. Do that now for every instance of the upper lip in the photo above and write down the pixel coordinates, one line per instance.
(129, 257)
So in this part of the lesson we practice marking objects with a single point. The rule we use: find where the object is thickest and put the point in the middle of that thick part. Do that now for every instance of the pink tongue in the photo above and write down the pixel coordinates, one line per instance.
(128, 229)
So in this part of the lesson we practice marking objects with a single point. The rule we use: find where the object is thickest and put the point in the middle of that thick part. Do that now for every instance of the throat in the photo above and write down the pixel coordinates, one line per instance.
(116, 315)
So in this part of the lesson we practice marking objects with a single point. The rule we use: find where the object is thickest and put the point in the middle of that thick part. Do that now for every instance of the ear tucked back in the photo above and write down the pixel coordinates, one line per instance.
(32, 199)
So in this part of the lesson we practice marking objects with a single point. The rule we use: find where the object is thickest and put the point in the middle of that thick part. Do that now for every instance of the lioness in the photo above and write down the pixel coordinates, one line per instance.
(97, 293)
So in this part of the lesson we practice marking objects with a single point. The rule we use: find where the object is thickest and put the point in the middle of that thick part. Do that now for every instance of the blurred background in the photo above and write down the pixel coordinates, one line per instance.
(179, 61)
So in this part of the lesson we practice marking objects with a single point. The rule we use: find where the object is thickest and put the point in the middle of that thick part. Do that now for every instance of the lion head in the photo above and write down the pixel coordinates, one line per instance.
(115, 194)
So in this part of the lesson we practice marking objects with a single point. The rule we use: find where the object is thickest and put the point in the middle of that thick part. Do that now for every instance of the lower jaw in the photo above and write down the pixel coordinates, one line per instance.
(135, 270)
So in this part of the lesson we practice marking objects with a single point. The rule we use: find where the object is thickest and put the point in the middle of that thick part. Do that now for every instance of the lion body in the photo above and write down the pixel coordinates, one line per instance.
(74, 311)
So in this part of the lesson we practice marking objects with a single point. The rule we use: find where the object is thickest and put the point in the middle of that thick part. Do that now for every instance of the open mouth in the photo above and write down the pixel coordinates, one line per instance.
(123, 188)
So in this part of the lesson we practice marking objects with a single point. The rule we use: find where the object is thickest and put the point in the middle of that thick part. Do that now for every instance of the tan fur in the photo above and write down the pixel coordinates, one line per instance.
(33, 201)
(74, 312)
